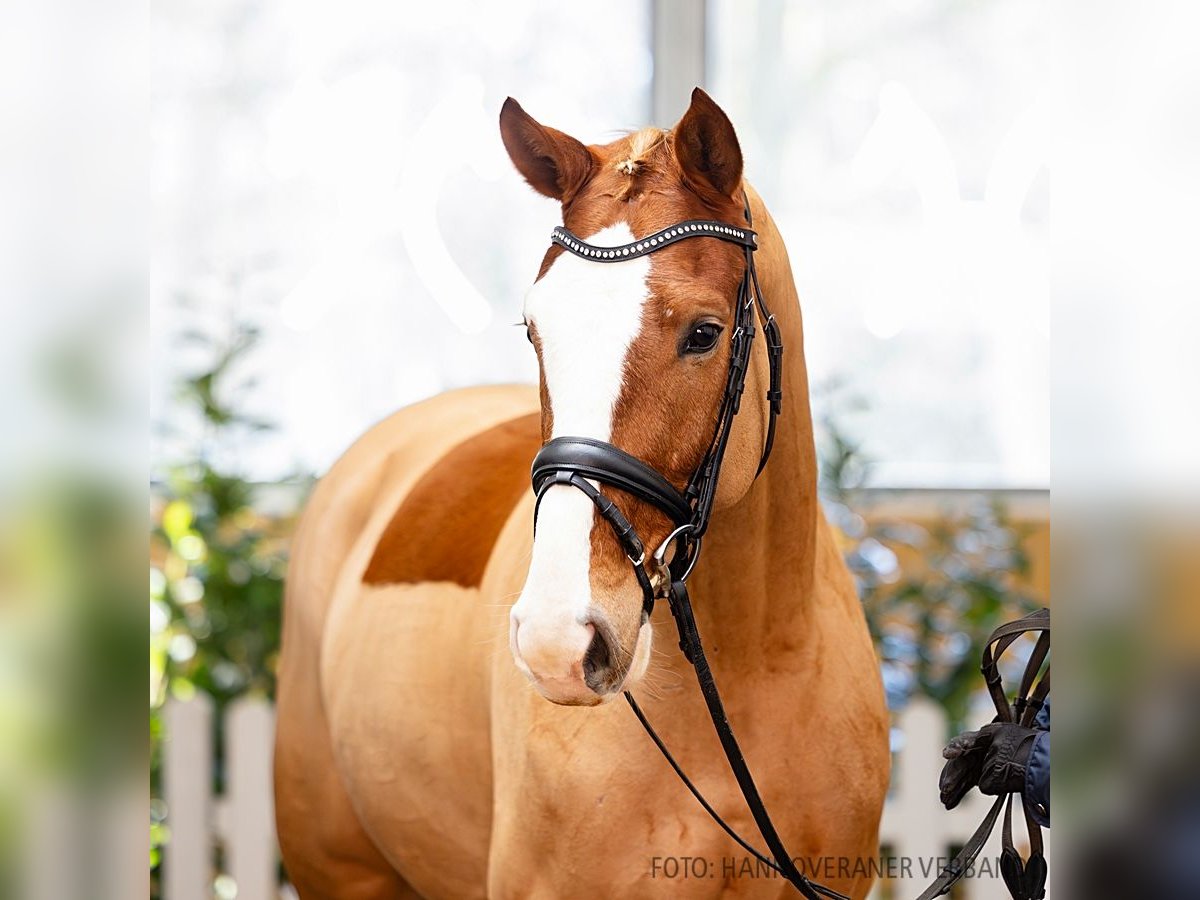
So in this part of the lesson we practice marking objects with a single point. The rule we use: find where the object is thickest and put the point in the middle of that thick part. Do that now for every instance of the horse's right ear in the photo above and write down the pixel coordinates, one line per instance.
(554, 164)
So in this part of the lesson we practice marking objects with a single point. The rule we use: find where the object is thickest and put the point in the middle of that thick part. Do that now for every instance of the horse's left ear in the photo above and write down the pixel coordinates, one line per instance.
(707, 147)
(554, 164)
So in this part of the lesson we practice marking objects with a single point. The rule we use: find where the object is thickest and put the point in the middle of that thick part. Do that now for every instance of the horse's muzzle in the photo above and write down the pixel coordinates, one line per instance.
(569, 662)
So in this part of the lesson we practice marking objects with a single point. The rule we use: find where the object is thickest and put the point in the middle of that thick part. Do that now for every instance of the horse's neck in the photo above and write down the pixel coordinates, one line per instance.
(756, 578)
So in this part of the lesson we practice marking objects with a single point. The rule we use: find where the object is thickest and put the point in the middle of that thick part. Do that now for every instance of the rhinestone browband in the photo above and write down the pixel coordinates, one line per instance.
(682, 231)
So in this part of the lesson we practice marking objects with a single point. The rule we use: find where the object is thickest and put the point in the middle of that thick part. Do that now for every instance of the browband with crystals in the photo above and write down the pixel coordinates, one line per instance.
(692, 228)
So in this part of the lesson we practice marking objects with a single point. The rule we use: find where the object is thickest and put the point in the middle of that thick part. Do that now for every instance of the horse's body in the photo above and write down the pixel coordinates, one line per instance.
(413, 759)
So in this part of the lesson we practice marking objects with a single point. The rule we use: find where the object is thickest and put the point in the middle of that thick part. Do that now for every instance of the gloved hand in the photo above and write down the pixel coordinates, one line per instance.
(994, 758)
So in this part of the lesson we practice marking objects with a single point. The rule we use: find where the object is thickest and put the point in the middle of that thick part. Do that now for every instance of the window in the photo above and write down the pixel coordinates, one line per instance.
(333, 175)
(901, 148)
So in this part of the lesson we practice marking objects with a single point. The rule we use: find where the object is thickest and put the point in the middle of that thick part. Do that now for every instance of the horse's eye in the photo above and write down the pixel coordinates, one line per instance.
(702, 338)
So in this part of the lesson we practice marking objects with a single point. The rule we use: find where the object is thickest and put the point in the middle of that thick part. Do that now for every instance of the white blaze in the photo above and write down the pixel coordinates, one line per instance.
(586, 314)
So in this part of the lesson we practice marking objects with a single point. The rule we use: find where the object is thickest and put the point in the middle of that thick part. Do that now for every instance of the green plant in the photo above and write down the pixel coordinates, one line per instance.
(217, 563)
(932, 592)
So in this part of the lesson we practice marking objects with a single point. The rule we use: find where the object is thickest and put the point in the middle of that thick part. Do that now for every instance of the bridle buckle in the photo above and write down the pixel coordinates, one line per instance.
(660, 574)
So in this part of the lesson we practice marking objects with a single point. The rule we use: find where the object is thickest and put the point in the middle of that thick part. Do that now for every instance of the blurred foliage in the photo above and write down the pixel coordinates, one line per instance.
(70, 551)
(932, 592)
(72, 508)
(217, 564)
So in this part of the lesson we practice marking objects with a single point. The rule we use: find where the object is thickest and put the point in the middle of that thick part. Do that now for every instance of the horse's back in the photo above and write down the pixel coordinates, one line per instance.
(385, 568)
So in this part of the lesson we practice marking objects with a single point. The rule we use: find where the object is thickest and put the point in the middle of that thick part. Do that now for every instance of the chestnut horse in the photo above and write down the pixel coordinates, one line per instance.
(413, 758)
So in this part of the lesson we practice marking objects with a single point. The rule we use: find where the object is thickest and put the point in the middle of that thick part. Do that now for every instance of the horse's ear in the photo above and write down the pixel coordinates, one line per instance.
(707, 147)
(554, 164)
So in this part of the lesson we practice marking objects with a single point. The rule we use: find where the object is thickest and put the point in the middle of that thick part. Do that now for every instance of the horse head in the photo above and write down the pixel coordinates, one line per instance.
(636, 355)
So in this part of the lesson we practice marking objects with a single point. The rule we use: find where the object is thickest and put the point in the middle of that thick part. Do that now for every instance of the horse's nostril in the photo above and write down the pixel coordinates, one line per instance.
(598, 661)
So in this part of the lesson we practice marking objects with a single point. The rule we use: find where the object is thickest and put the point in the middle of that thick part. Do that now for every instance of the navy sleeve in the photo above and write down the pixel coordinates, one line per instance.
(1042, 719)
(1037, 771)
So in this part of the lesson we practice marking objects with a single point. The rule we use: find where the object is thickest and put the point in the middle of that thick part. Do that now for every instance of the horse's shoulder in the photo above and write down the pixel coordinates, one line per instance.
(447, 523)
(353, 504)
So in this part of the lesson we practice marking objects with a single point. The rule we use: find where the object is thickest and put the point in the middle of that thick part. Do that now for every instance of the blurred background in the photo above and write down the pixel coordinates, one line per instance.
(327, 185)
(272, 237)
(302, 152)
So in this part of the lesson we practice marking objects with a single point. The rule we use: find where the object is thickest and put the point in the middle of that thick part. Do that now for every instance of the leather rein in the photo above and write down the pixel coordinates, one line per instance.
(578, 462)
(1024, 878)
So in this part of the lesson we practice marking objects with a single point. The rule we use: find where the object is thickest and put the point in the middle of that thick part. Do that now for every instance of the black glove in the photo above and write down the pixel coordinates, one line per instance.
(994, 757)
(1006, 760)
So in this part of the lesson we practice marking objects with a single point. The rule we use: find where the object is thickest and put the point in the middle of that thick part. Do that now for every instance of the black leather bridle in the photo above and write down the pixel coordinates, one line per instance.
(578, 462)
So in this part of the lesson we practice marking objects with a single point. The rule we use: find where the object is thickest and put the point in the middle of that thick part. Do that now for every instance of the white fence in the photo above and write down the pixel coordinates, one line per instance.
(916, 830)
(242, 821)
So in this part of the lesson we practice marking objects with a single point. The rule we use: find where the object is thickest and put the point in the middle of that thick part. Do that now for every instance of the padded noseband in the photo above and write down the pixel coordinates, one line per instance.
(613, 466)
